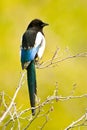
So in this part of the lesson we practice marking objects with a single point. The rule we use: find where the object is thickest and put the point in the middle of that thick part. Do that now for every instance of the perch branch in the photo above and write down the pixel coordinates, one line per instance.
(54, 60)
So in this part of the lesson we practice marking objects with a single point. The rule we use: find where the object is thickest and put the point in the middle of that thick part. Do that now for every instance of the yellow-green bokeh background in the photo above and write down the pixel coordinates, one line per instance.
(67, 29)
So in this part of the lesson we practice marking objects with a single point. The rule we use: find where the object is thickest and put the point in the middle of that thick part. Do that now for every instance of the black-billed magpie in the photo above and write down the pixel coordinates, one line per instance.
(33, 45)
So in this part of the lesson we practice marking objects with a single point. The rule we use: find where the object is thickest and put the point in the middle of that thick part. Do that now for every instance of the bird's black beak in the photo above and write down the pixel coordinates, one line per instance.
(45, 24)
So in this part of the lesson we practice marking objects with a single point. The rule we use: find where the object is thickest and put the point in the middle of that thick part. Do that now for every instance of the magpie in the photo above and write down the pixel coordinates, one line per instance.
(32, 48)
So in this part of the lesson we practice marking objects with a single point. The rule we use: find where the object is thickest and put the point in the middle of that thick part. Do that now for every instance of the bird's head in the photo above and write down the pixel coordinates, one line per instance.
(36, 23)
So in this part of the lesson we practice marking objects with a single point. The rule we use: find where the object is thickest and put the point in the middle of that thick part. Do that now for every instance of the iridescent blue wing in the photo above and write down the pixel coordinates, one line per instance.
(27, 55)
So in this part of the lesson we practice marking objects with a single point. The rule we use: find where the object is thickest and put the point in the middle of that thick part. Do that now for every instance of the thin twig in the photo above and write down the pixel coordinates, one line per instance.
(54, 55)
(3, 101)
(46, 116)
(32, 120)
(15, 110)
(75, 122)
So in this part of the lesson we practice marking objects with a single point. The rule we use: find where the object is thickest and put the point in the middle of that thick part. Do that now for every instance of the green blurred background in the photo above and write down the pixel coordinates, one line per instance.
(68, 31)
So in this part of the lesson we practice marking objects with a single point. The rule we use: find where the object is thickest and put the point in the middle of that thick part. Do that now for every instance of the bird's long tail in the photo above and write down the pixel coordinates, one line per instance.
(31, 79)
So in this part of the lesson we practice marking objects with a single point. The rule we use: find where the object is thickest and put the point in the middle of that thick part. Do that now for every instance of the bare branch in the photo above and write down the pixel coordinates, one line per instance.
(15, 114)
(18, 115)
(72, 125)
(54, 61)
(50, 99)
(13, 99)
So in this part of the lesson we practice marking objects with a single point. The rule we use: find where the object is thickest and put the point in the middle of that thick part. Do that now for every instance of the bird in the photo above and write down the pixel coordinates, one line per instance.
(32, 49)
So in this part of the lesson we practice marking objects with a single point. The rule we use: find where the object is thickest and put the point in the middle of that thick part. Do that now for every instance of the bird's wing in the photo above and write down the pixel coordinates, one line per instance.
(28, 39)
(28, 55)
(28, 51)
